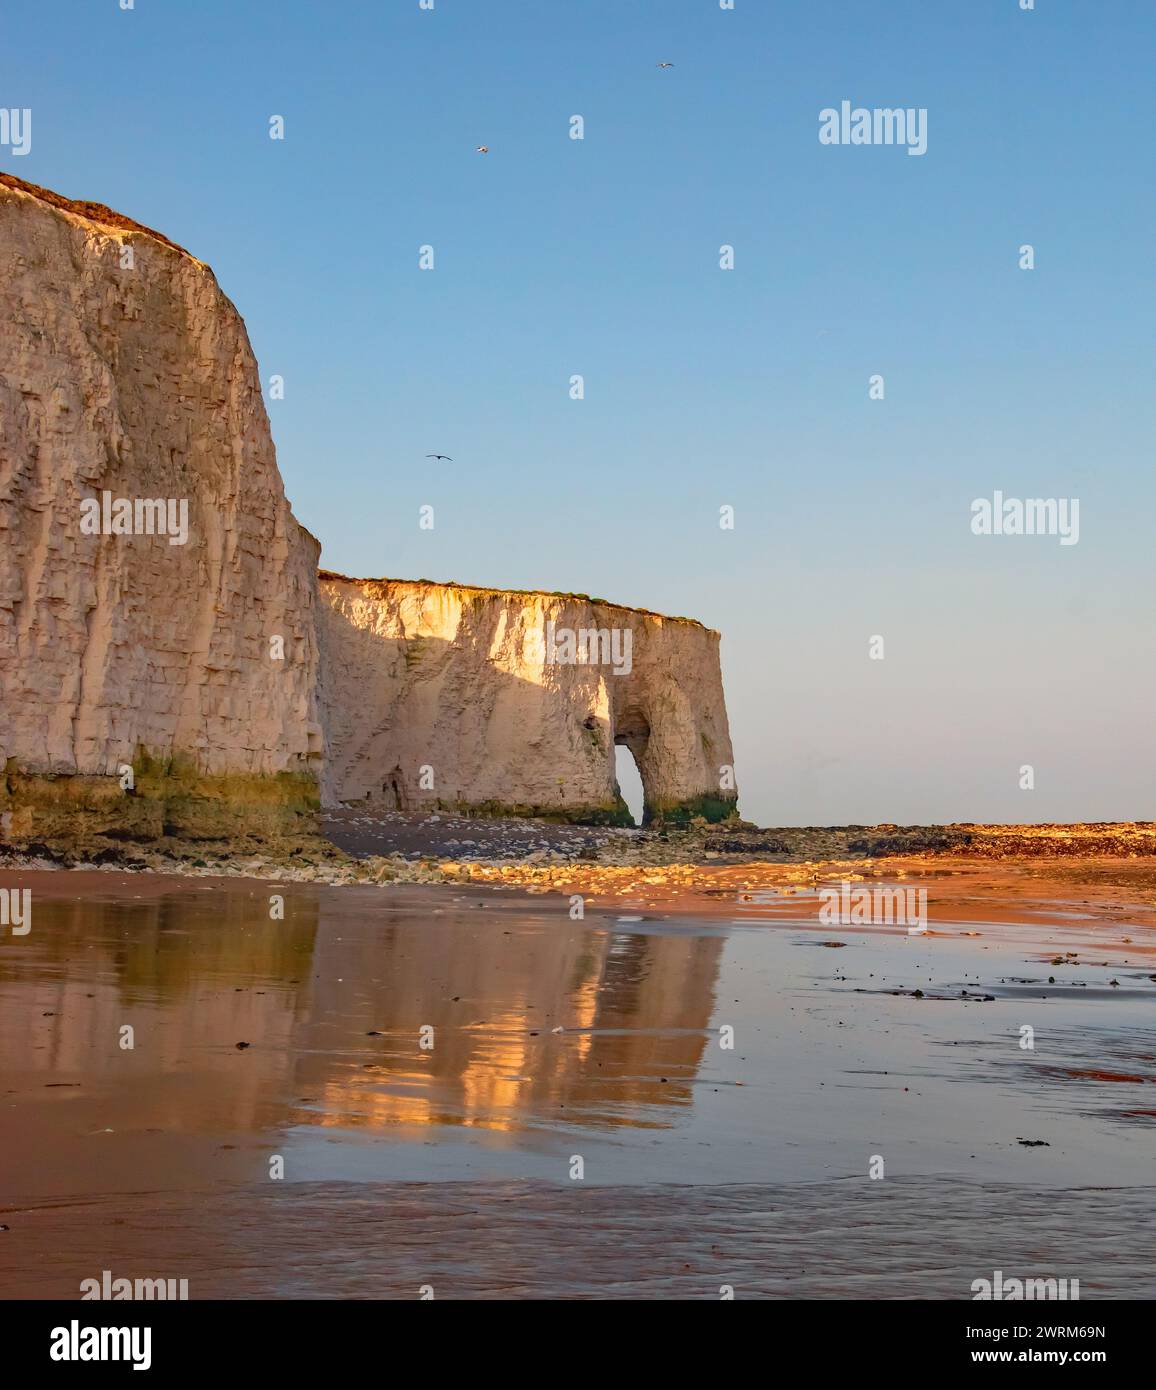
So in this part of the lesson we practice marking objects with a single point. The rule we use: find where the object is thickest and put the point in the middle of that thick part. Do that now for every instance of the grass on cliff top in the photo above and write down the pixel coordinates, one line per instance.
(518, 593)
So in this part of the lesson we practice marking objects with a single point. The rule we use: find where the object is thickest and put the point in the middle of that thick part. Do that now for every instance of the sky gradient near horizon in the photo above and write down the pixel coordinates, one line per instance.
(704, 387)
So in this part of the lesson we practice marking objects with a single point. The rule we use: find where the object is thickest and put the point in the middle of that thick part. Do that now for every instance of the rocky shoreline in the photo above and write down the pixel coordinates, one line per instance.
(362, 845)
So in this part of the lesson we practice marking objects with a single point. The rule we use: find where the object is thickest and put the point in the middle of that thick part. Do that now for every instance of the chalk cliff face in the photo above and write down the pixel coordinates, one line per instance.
(124, 369)
(160, 605)
(446, 695)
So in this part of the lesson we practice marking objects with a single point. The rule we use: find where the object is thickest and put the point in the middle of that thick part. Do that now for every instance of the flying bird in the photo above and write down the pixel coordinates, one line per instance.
(664, 65)
(483, 149)
(440, 456)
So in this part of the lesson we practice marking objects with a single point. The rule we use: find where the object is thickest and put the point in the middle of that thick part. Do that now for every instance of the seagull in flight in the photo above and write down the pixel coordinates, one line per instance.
(440, 456)
(483, 149)
(664, 65)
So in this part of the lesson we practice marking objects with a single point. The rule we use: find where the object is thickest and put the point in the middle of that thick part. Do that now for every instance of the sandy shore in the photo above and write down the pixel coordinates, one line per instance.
(299, 1037)
(908, 1239)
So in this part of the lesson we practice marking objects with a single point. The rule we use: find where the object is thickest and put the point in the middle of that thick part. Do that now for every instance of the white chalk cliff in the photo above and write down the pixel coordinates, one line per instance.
(125, 374)
(137, 379)
(444, 694)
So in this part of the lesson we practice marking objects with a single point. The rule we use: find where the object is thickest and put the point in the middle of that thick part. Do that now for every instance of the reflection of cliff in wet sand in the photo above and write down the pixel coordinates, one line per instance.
(530, 1027)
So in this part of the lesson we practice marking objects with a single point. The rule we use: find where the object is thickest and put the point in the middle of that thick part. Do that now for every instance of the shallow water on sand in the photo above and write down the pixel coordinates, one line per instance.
(555, 1040)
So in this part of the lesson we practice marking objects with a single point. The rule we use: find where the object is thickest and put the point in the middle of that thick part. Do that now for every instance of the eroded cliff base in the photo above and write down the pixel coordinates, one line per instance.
(173, 813)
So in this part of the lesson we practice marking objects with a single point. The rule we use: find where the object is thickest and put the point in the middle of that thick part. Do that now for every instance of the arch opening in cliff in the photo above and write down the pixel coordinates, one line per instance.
(631, 740)
(628, 782)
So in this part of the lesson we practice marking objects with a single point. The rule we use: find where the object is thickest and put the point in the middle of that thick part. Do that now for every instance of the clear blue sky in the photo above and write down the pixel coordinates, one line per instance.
(703, 387)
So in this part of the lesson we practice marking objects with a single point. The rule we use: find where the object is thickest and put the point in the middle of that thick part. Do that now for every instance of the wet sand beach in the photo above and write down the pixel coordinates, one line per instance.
(428, 1062)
